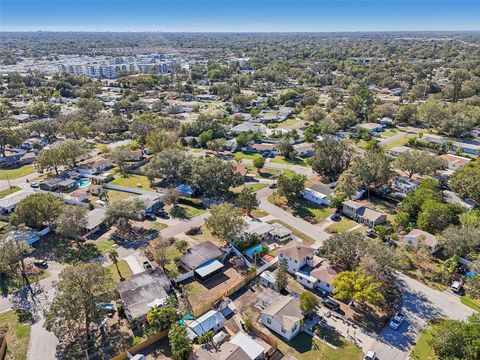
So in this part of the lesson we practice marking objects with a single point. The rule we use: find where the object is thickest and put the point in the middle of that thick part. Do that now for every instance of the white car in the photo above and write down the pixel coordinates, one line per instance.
(370, 355)
(456, 287)
(397, 320)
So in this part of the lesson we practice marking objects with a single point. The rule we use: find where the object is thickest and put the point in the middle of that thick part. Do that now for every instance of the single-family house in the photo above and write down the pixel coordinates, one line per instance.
(362, 214)
(397, 150)
(212, 320)
(263, 148)
(404, 184)
(386, 121)
(153, 201)
(417, 237)
(304, 149)
(324, 275)
(454, 162)
(267, 279)
(267, 232)
(283, 316)
(95, 220)
(142, 292)
(297, 256)
(246, 127)
(254, 350)
(92, 167)
(203, 260)
(51, 183)
(452, 198)
(318, 194)
(371, 127)
(9, 202)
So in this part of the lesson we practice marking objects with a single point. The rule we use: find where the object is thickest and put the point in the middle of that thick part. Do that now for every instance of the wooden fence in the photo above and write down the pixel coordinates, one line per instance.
(135, 349)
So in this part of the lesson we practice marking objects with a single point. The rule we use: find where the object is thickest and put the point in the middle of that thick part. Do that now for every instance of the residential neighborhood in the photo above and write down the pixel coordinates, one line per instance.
(223, 195)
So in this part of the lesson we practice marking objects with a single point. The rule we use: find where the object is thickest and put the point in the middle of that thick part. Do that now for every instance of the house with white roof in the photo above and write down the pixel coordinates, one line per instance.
(418, 237)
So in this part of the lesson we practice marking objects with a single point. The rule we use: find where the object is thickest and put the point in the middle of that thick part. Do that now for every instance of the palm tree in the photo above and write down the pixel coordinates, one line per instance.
(113, 255)
(103, 194)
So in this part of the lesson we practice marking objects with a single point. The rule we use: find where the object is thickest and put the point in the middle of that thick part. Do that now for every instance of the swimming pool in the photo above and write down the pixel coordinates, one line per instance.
(251, 252)
(83, 182)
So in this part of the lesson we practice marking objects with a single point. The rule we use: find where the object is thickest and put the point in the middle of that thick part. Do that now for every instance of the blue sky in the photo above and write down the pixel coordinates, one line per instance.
(241, 16)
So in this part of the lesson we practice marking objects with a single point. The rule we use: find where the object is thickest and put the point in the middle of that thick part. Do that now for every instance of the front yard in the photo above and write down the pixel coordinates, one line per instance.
(305, 209)
(124, 269)
(294, 161)
(341, 226)
(422, 349)
(16, 173)
(305, 347)
(17, 335)
(183, 211)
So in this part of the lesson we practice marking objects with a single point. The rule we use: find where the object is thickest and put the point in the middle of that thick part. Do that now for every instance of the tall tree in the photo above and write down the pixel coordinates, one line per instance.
(75, 309)
(247, 199)
(226, 222)
(121, 212)
(179, 342)
(419, 162)
(173, 165)
(120, 155)
(285, 148)
(372, 170)
(308, 302)
(331, 157)
(466, 181)
(353, 286)
(71, 222)
(291, 186)
(113, 255)
(37, 210)
(281, 277)
(344, 249)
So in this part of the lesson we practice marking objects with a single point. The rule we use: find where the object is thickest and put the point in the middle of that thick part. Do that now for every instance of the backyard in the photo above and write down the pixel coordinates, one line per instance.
(16, 173)
(17, 335)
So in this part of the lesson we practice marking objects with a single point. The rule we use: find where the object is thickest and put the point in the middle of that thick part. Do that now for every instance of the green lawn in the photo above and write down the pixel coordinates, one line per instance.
(470, 302)
(258, 213)
(387, 134)
(422, 349)
(399, 142)
(124, 270)
(288, 122)
(182, 211)
(104, 245)
(256, 187)
(267, 173)
(17, 172)
(241, 155)
(172, 253)
(294, 161)
(6, 192)
(341, 226)
(18, 335)
(362, 144)
(157, 225)
(132, 180)
(303, 208)
(289, 173)
(304, 347)
(114, 195)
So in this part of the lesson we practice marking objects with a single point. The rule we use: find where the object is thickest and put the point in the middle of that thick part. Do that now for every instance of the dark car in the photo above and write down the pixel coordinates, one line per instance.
(336, 217)
(273, 186)
(150, 216)
(162, 214)
(40, 263)
(331, 304)
(147, 265)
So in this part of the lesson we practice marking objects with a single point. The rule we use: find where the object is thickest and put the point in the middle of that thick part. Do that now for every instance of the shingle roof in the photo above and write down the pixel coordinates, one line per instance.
(200, 254)
(296, 251)
(286, 310)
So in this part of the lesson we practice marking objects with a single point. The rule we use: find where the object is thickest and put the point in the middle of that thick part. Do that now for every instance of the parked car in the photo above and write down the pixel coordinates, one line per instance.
(456, 287)
(370, 355)
(40, 263)
(331, 304)
(147, 265)
(272, 186)
(336, 217)
(34, 184)
(397, 320)
(150, 216)
(370, 233)
(162, 214)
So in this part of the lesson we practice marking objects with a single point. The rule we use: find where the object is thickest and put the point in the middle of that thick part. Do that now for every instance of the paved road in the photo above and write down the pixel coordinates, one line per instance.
(18, 182)
(399, 135)
(313, 231)
(421, 304)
